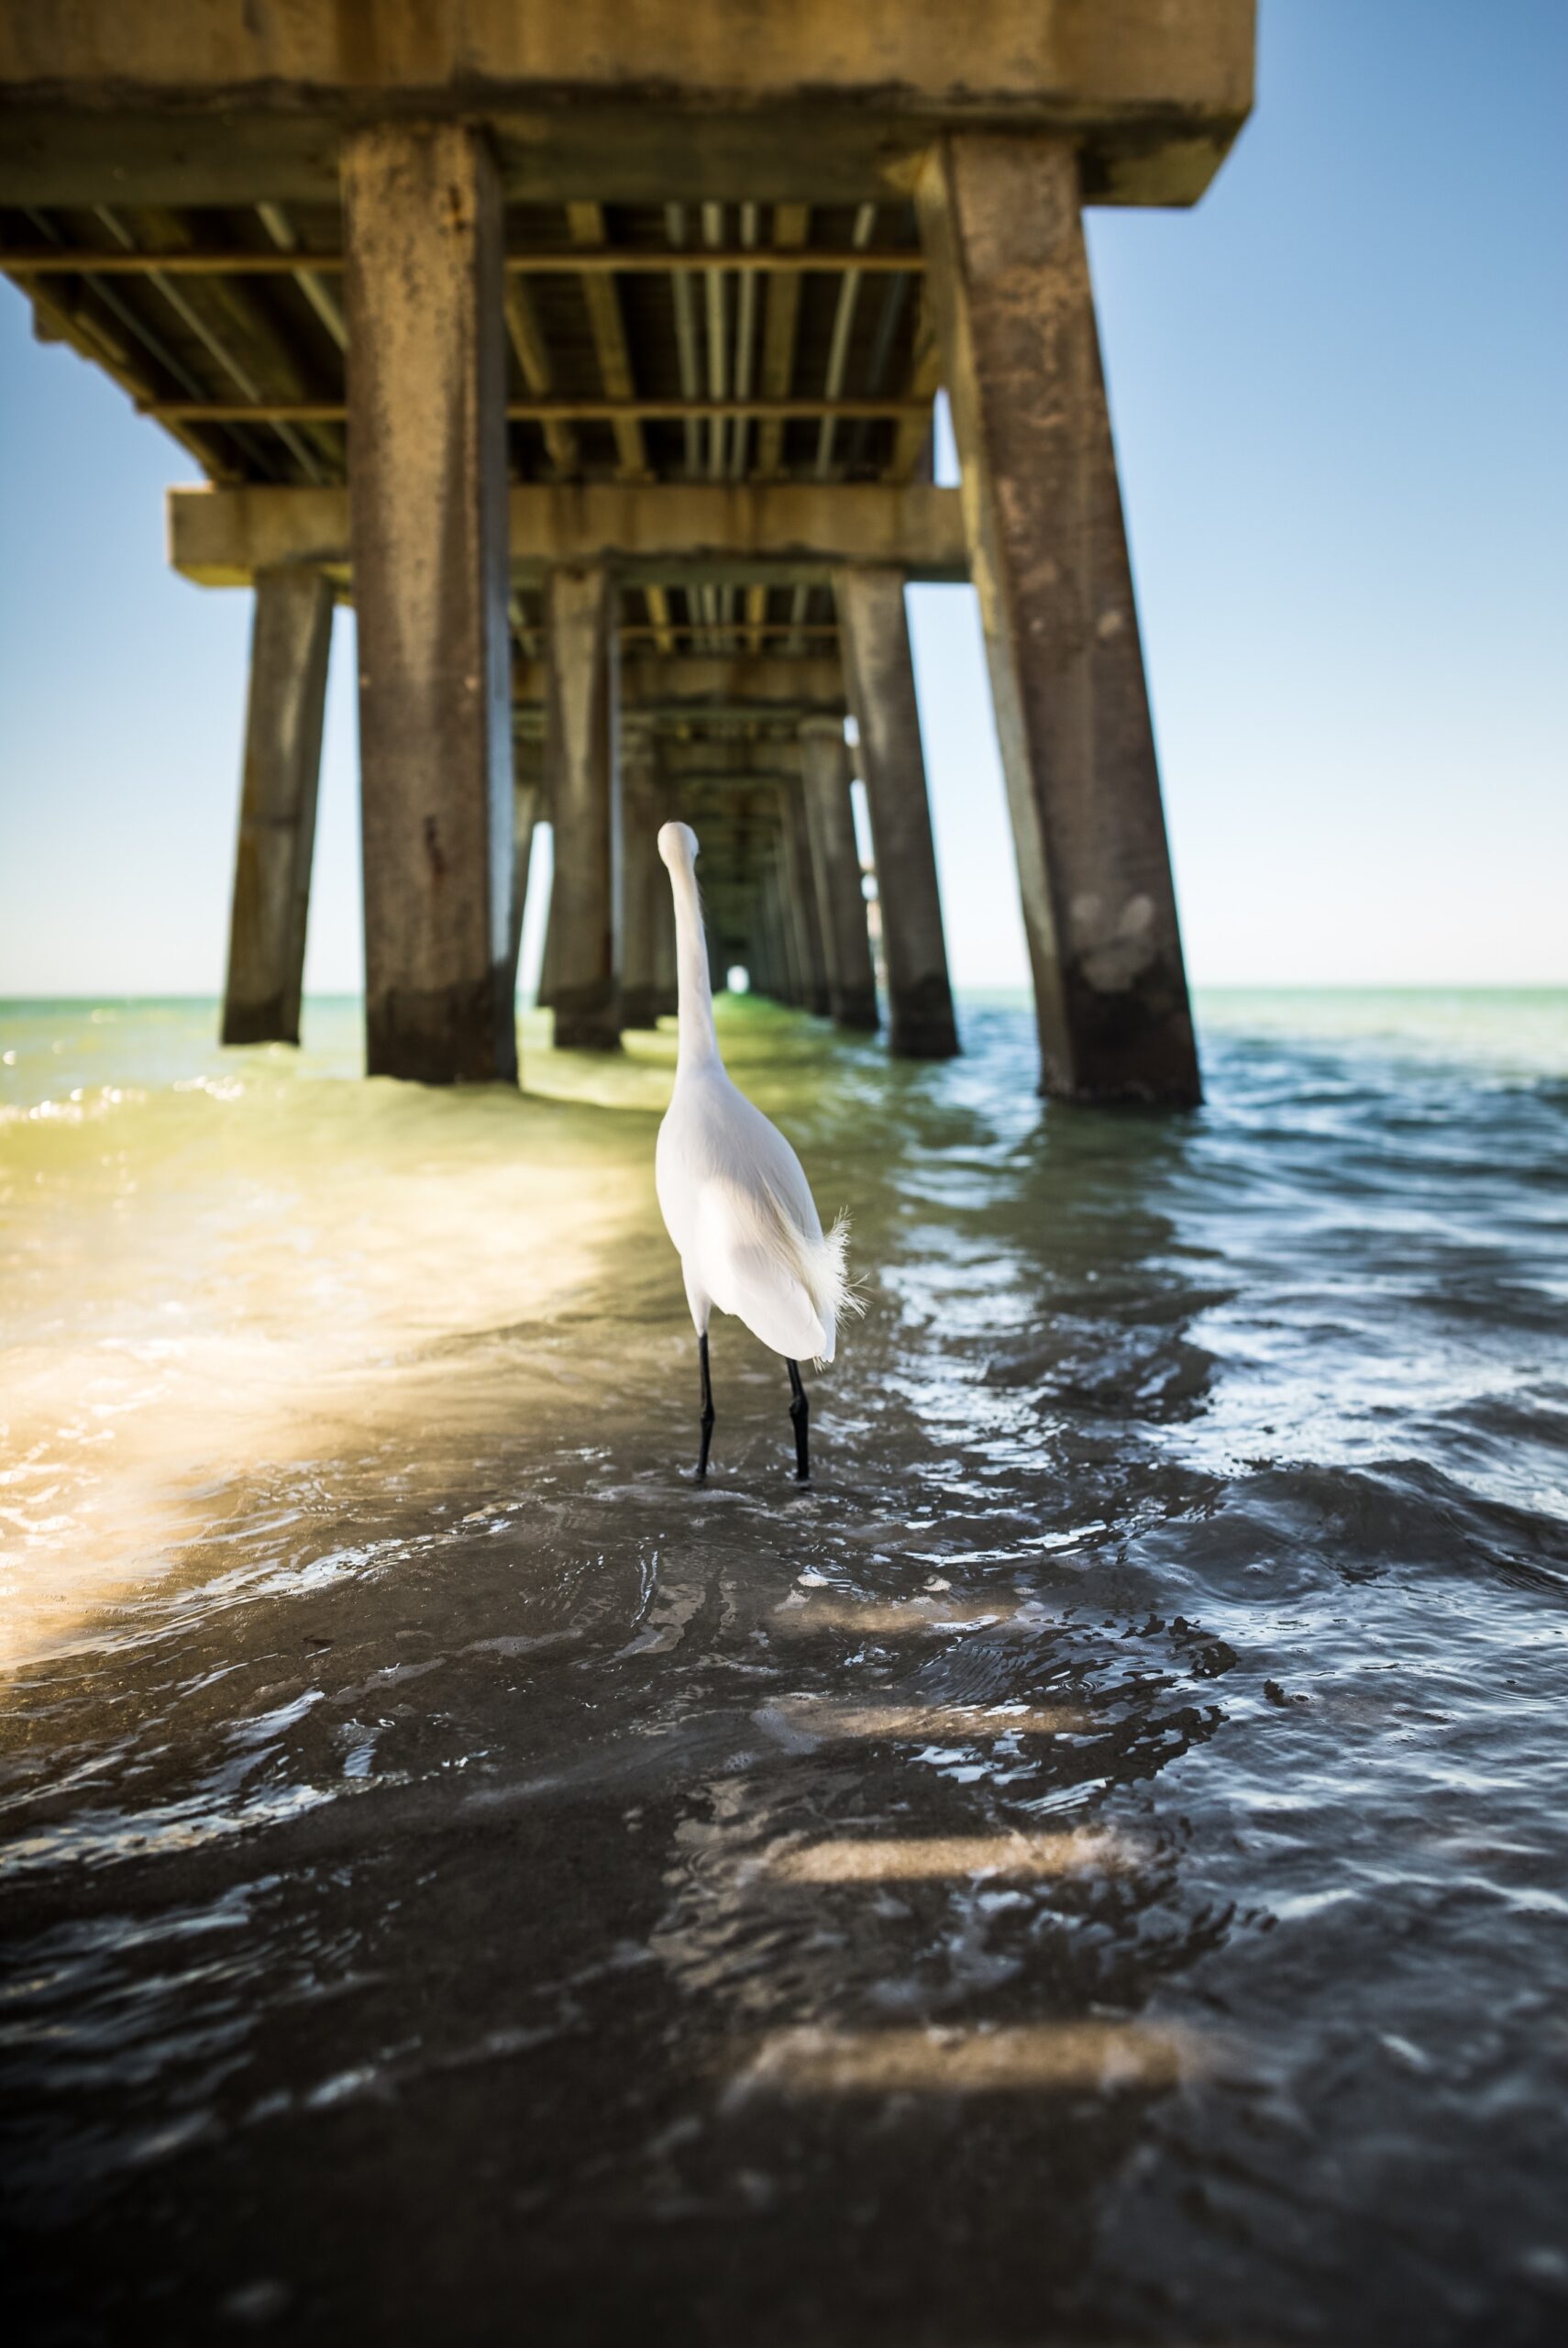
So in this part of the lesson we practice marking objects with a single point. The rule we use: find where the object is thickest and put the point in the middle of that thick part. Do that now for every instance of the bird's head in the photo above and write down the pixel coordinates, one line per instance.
(678, 845)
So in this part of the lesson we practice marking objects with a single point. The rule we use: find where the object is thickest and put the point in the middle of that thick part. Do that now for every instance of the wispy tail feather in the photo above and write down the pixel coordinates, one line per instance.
(834, 1288)
(826, 1275)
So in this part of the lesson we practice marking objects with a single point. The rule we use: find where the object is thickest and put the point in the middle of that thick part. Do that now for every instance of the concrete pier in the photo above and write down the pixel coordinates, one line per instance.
(836, 862)
(879, 671)
(758, 956)
(290, 641)
(667, 810)
(472, 303)
(428, 509)
(800, 887)
(1000, 219)
(782, 942)
(644, 883)
(580, 749)
(546, 997)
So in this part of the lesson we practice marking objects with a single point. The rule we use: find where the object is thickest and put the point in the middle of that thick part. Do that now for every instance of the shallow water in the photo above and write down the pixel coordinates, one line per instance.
(1093, 1866)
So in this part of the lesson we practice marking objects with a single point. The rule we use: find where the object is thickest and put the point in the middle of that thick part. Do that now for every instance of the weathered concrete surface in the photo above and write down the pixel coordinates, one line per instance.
(290, 640)
(800, 889)
(643, 880)
(426, 391)
(835, 863)
(1010, 278)
(879, 671)
(193, 102)
(796, 533)
(581, 753)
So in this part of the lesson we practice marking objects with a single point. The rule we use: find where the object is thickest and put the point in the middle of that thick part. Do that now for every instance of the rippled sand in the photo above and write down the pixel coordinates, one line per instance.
(1092, 1867)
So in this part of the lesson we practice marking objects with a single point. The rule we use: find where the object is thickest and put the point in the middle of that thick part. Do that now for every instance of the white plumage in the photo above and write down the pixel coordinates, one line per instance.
(732, 1191)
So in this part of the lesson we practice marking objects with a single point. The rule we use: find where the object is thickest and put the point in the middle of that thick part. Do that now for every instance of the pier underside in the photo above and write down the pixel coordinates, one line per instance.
(592, 354)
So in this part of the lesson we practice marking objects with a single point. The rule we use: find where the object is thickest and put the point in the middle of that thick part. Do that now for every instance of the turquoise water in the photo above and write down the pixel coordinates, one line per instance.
(1092, 1867)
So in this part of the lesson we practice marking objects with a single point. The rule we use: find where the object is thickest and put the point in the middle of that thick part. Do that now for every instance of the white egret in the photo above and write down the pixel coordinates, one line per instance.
(732, 1191)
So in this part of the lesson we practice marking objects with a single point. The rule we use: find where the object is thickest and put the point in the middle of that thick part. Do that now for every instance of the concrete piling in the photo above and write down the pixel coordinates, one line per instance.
(879, 672)
(643, 878)
(800, 890)
(546, 997)
(581, 751)
(667, 810)
(836, 862)
(290, 641)
(1008, 272)
(426, 391)
(785, 937)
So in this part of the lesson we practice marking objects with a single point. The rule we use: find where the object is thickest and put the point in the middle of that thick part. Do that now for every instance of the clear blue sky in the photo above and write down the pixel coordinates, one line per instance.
(1339, 388)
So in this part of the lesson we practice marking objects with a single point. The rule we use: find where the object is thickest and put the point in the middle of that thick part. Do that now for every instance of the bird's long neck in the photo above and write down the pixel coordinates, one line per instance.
(698, 1041)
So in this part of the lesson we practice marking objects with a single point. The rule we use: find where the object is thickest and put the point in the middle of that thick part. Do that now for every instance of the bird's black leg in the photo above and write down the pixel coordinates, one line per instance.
(800, 1412)
(706, 1421)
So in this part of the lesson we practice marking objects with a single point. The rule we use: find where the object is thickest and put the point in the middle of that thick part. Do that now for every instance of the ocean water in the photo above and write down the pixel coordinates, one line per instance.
(1093, 1866)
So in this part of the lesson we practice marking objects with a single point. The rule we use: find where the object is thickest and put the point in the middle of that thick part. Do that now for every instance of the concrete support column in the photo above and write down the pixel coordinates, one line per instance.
(527, 806)
(289, 640)
(780, 941)
(1008, 274)
(428, 530)
(835, 860)
(545, 998)
(800, 892)
(667, 805)
(758, 965)
(879, 672)
(643, 878)
(757, 962)
(580, 740)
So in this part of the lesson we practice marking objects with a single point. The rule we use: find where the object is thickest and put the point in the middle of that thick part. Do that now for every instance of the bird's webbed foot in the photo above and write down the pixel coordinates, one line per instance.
(799, 1413)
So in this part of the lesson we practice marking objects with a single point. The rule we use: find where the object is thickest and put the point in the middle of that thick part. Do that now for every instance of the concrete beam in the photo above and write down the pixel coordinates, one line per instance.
(748, 689)
(1009, 280)
(194, 103)
(741, 761)
(666, 717)
(290, 641)
(428, 392)
(796, 533)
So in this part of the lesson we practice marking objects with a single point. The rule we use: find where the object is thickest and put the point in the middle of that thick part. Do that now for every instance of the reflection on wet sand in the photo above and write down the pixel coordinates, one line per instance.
(930, 1720)
(922, 1858)
(1030, 2058)
(904, 1617)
